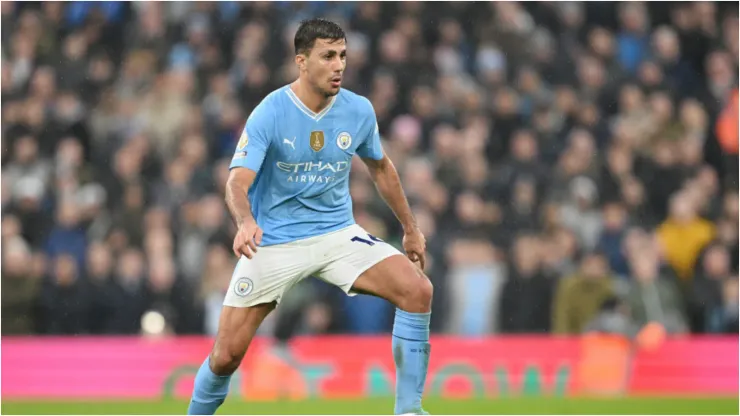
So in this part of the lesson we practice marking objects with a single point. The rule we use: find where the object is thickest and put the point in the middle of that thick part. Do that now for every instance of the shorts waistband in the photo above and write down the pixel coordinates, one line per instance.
(311, 240)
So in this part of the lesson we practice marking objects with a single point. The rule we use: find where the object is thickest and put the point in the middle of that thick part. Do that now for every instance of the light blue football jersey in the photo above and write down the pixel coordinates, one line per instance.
(303, 160)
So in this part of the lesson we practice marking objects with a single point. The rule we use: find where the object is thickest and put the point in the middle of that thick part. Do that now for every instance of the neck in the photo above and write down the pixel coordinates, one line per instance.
(315, 101)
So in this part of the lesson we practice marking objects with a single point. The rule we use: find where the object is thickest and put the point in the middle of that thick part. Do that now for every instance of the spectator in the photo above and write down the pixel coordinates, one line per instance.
(130, 303)
(130, 215)
(654, 298)
(64, 299)
(632, 40)
(522, 161)
(100, 287)
(579, 213)
(27, 165)
(667, 51)
(476, 279)
(579, 297)
(68, 237)
(683, 235)
(613, 318)
(727, 135)
(171, 296)
(726, 320)
(526, 286)
(560, 252)
(521, 214)
(20, 289)
(612, 237)
(707, 297)
(202, 221)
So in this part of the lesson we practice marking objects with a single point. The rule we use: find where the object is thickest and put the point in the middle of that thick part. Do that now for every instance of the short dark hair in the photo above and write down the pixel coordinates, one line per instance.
(313, 29)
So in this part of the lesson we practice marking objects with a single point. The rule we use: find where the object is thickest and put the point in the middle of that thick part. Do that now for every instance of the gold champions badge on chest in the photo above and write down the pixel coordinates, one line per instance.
(317, 140)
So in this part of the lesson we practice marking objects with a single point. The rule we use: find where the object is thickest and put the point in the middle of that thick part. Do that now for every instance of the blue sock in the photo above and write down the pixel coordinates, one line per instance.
(209, 392)
(411, 354)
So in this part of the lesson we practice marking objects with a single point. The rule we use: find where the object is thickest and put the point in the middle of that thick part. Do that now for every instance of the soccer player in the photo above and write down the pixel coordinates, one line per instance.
(288, 192)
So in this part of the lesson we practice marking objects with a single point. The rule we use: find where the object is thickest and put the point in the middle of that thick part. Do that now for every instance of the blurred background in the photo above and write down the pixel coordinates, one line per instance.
(574, 166)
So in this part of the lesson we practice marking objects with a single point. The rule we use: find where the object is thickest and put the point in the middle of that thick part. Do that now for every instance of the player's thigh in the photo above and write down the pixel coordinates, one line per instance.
(399, 281)
(360, 263)
(346, 254)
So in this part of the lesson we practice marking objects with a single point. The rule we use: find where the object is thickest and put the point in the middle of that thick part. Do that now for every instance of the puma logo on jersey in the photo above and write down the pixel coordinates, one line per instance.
(292, 144)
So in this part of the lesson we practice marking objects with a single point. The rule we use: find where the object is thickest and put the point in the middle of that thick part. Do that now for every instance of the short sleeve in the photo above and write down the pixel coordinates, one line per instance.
(255, 139)
(371, 147)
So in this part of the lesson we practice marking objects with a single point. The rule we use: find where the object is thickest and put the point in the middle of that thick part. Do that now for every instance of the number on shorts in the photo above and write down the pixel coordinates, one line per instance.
(371, 242)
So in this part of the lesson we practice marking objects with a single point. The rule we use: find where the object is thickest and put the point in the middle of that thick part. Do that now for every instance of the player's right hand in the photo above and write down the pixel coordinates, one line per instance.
(248, 237)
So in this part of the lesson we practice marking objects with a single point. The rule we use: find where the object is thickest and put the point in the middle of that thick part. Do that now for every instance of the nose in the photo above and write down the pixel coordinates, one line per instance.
(337, 65)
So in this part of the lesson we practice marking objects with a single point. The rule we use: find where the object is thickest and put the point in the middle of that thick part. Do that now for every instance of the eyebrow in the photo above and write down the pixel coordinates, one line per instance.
(332, 52)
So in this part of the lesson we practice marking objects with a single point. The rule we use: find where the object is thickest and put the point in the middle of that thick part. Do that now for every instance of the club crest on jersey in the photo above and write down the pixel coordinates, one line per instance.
(243, 286)
(344, 140)
(243, 140)
(316, 140)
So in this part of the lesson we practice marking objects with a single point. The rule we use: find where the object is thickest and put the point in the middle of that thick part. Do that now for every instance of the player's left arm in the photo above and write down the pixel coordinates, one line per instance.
(383, 172)
(388, 182)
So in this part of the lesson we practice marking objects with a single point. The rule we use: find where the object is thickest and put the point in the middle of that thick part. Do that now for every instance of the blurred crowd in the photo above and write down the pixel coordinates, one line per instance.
(573, 165)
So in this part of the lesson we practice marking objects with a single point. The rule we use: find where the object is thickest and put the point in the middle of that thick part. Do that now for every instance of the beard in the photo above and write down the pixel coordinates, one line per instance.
(324, 91)
(328, 92)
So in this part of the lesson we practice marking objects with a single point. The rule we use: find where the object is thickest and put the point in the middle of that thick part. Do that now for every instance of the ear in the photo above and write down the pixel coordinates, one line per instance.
(300, 60)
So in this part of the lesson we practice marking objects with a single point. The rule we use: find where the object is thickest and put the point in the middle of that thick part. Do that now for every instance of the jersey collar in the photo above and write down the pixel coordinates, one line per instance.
(298, 103)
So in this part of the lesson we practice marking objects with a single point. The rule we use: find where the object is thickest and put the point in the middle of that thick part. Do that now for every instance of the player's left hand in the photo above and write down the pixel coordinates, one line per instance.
(415, 245)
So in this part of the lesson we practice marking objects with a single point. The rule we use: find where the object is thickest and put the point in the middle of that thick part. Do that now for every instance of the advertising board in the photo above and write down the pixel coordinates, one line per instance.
(349, 367)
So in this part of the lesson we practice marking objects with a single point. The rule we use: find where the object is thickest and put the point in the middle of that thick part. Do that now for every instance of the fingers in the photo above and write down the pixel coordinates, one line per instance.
(417, 257)
(251, 244)
(239, 245)
(246, 243)
(246, 250)
(249, 247)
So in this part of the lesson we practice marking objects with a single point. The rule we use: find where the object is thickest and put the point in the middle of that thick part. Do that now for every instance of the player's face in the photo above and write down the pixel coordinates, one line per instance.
(325, 65)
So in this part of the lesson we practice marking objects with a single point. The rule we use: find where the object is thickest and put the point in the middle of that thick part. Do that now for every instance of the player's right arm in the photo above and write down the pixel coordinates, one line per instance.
(247, 161)
(249, 234)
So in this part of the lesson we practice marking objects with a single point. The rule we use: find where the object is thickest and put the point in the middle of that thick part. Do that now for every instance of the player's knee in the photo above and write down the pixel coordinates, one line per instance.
(418, 296)
(426, 292)
(225, 361)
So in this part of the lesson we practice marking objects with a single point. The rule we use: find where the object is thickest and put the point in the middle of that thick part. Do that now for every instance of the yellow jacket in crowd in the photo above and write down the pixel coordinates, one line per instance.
(683, 242)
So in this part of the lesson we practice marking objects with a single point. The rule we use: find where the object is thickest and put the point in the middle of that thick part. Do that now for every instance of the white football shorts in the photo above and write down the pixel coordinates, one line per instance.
(338, 258)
